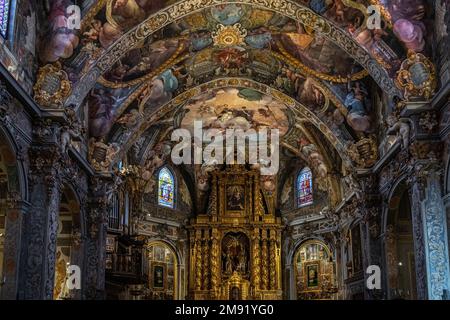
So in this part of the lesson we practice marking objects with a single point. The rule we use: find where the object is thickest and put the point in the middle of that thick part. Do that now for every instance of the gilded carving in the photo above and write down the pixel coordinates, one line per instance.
(364, 152)
(416, 77)
(52, 86)
(226, 36)
(102, 155)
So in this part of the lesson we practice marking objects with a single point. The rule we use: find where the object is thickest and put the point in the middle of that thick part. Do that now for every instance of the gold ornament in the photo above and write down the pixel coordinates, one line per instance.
(416, 77)
(364, 152)
(52, 86)
(226, 36)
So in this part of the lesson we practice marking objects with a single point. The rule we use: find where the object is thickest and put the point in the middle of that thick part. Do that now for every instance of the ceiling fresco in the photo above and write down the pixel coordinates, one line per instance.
(236, 108)
(108, 21)
(133, 60)
(126, 42)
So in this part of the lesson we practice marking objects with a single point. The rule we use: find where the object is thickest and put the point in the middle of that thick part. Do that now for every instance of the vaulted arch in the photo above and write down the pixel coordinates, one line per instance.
(128, 137)
(173, 13)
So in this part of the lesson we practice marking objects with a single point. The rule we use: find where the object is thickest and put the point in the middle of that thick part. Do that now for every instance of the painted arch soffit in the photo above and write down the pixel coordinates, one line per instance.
(127, 137)
(166, 16)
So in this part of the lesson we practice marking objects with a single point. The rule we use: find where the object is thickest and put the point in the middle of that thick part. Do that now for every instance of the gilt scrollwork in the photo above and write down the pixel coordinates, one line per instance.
(52, 86)
(416, 77)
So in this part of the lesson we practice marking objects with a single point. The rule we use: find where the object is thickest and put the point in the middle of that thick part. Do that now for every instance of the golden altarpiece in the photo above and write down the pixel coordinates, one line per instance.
(235, 248)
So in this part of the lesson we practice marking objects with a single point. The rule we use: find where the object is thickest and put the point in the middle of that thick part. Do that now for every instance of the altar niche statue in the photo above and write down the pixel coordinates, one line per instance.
(228, 263)
(242, 261)
(235, 254)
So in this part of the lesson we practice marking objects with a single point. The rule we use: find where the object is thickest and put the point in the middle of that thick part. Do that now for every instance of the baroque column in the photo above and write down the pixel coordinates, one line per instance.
(40, 225)
(256, 260)
(16, 209)
(95, 249)
(264, 262)
(435, 235)
(198, 261)
(214, 263)
(272, 260)
(430, 233)
(206, 259)
(416, 191)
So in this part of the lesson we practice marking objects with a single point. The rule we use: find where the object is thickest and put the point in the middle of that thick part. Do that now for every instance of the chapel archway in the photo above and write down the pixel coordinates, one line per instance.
(315, 271)
(161, 269)
(399, 246)
(10, 192)
(68, 243)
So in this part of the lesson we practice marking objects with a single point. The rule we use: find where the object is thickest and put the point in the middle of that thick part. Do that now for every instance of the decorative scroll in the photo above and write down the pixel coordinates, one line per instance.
(52, 86)
(417, 77)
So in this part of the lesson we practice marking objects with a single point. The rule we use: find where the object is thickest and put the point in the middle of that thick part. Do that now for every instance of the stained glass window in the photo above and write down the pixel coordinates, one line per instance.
(166, 188)
(4, 17)
(304, 188)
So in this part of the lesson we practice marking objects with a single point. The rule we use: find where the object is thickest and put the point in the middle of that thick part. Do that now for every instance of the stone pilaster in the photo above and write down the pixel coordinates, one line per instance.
(95, 245)
(40, 225)
(435, 237)
(430, 232)
(15, 212)
(416, 190)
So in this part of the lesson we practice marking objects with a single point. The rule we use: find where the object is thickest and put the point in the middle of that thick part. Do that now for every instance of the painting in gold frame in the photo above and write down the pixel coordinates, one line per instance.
(158, 276)
(312, 275)
(235, 198)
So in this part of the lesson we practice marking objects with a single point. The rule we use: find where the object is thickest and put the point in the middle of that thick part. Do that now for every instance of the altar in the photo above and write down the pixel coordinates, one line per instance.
(235, 247)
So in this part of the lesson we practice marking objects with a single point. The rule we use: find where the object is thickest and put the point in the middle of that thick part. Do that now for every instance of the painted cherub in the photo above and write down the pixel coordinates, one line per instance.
(94, 31)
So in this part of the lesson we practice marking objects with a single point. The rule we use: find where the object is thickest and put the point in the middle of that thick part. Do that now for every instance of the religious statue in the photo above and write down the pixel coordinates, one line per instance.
(242, 266)
(228, 263)
(234, 255)
(71, 132)
(400, 129)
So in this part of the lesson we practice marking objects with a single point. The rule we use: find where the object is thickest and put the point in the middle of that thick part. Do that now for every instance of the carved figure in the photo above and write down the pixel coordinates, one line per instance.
(400, 129)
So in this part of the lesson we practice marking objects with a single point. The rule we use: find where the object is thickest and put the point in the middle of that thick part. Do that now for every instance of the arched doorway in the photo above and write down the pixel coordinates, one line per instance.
(161, 270)
(400, 246)
(314, 271)
(68, 243)
(9, 219)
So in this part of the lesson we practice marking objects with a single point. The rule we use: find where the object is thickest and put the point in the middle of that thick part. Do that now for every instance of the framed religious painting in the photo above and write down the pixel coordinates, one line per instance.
(312, 275)
(158, 274)
(235, 198)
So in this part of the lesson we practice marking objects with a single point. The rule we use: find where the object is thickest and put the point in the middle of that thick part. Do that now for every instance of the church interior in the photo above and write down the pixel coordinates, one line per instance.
(94, 206)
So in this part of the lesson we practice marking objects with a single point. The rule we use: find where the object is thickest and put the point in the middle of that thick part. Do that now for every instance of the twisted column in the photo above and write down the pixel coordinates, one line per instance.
(264, 264)
(214, 264)
(206, 270)
(272, 259)
(198, 264)
(256, 259)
